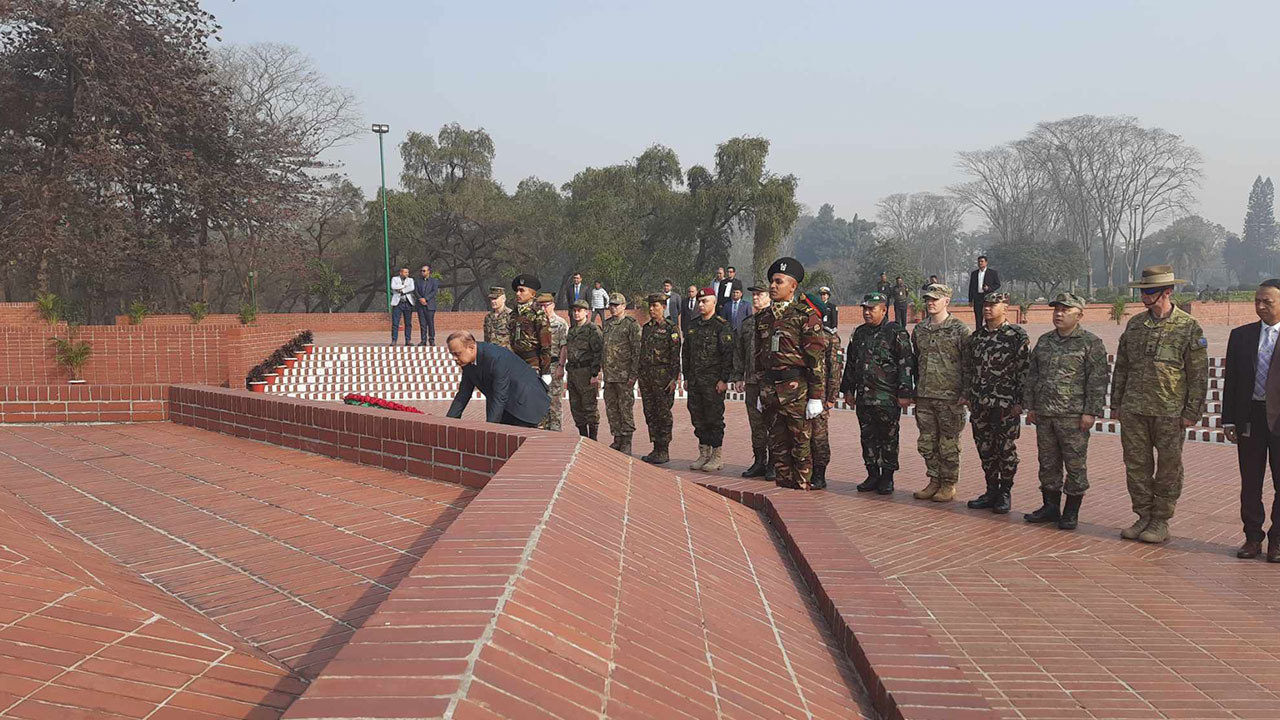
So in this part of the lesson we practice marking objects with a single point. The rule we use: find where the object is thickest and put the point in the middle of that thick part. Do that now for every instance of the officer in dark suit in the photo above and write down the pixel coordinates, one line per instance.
(688, 308)
(673, 302)
(513, 392)
(983, 280)
(426, 287)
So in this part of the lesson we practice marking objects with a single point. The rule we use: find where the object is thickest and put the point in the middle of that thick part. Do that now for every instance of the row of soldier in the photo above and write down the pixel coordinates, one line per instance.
(791, 370)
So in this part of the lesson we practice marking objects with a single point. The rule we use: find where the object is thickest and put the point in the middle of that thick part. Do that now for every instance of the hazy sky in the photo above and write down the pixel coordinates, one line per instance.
(860, 100)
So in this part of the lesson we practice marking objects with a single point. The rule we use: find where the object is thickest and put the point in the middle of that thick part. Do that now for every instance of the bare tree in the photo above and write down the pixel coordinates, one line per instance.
(1161, 174)
(1012, 191)
(927, 223)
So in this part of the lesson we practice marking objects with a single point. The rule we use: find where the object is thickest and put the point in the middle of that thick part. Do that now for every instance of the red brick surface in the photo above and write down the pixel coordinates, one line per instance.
(83, 403)
(446, 322)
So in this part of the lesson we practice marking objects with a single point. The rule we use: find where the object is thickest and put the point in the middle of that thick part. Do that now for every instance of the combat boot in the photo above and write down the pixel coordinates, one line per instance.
(617, 442)
(757, 468)
(624, 446)
(770, 472)
(1071, 513)
(1157, 532)
(1049, 511)
(987, 499)
(929, 490)
(1003, 499)
(1133, 531)
(714, 461)
(582, 430)
(593, 431)
(704, 454)
(946, 493)
(873, 480)
(659, 455)
(818, 481)
(885, 486)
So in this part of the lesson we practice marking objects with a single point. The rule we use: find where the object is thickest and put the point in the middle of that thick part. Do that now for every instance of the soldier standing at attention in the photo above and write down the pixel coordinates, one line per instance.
(833, 371)
(529, 328)
(789, 345)
(747, 381)
(621, 367)
(942, 369)
(584, 349)
(559, 335)
(901, 299)
(999, 355)
(883, 286)
(878, 383)
(1159, 386)
(708, 360)
(1066, 391)
(497, 323)
(659, 372)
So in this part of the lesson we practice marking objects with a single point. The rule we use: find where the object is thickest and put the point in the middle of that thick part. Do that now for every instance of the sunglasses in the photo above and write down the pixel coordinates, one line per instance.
(1152, 291)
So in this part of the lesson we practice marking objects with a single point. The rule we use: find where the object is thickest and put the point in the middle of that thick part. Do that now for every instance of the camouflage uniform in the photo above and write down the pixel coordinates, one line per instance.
(1161, 378)
(530, 334)
(621, 367)
(1067, 378)
(880, 370)
(833, 371)
(789, 347)
(585, 344)
(559, 336)
(659, 368)
(744, 371)
(707, 357)
(497, 327)
(942, 369)
(998, 360)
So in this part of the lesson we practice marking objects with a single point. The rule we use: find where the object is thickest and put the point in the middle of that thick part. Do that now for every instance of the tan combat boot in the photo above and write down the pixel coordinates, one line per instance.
(929, 490)
(946, 493)
(1156, 532)
(704, 454)
(714, 462)
(1133, 531)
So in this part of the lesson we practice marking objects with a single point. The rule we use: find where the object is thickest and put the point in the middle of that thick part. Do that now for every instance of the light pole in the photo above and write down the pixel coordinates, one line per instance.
(386, 242)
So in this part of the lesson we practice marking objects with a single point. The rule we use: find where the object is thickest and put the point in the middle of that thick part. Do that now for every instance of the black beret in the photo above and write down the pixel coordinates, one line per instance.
(787, 266)
(529, 281)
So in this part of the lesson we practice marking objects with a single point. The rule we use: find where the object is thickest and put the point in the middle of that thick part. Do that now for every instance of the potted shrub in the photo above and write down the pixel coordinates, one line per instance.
(248, 314)
(72, 354)
(256, 380)
(138, 311)
(50, 307)
(198, 312)
(277, 361)
(308, 341)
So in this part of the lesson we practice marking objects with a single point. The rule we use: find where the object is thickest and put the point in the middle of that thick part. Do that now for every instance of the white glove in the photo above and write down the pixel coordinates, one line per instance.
(812, 409)
(759, 405)
(546, 380)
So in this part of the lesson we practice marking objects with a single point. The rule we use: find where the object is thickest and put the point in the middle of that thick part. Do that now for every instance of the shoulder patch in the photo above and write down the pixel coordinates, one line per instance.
(1202, 342)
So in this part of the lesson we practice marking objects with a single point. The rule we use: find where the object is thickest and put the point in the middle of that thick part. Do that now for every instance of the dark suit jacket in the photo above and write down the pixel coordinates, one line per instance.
(565, 297)
(509, 385)
(724, 293)
(1237, 391)
(426, 289)
(687, 314)
(735, 319)
(832, 318)
(992, 283)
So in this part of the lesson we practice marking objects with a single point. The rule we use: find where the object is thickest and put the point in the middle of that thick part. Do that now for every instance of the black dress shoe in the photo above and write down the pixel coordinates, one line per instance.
(1249, 550)
(1273, 552)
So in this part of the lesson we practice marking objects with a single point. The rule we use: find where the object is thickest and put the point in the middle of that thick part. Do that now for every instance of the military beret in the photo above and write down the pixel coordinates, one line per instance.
(495, 292)
(757, 288)
(546, 297)
(787, 266)
(617, 298)
(999, 296)
(1068, 300)
(706, 292)
(874, 298)
(657, 298)
(529, 281)
(937, 290)
(816, 303)
(580, 304)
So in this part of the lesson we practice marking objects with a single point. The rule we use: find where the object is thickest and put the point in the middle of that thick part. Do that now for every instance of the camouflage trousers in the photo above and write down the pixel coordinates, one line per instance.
(819, 440)
(1154, 488)
(555, 411)
(620, 408)
(789, 431)
(584, 400)
(759, 431)
(657, 401)
(706, 410)
(878, 426)
(1062, 445)
(995, 432)
(940, 423)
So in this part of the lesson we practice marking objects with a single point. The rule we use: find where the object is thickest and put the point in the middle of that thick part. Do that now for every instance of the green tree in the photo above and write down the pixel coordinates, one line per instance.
(1190, 244)
(1047, 265)
(326, 286)
(1257, 256)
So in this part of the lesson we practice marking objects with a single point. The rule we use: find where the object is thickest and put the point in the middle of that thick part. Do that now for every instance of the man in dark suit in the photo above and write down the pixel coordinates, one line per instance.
(513, 392)
(724, 291)
(573, 291)
(983, 280)
(689, 308)
(737, 310)
(1251, 417)
(672, 312)
(425, 287)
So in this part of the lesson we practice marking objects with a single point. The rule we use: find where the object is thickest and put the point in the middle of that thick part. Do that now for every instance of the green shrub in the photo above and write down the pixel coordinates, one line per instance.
(1117, 308)
(138, 311)
(198, 312)
(51, 307)
(71, 353)
(248, 313)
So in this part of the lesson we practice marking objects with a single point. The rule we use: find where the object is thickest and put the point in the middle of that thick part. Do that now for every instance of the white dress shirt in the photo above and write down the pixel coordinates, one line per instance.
(401, 289)
(982, 278)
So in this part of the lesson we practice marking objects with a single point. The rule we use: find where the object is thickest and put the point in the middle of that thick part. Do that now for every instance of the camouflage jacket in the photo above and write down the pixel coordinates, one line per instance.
(1162, 367)
(559, 336)
(942, 366)
(497, 327)
(998, 361)
(744, 353)
(900, 295)
(789, 338)
(659, 350)
(585, 345)
(621, 349)
(531, 337)
(833, 366)
(1068, 375)
(708, 350)
(880, 365)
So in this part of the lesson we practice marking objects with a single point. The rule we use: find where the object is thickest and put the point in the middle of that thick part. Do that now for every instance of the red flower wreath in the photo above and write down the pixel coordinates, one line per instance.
(370, 401)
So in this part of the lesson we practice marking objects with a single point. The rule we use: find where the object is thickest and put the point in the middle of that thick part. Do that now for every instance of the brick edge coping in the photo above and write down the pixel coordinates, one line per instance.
(906, 671)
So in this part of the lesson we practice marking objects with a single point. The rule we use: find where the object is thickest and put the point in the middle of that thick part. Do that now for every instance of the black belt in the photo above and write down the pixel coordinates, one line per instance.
(781, 375)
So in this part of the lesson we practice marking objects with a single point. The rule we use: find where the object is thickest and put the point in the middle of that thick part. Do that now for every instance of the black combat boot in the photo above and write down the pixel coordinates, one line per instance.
(593, 431)
(986, 499)
(872, 481)
(582, 430)
(1049, 512)
(659, 455)
(1003, 500)
(757, 468)
(1070, 513)
(885, 486)
(617, 442)
(818, 481)
(624, 445)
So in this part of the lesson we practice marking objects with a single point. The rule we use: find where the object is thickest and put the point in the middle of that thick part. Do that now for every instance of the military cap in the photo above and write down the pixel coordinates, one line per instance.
(706, 292)
(998, 296)
(546, 297)
(1068, 300)
(583, 304)
(816, 303)
(787, 266)
(937, 290)
(617, 298)
(757, 288)
(529, 281)
(1157, 276)
(656, 298)
(824, 290)
(874, 298)
(495, 292)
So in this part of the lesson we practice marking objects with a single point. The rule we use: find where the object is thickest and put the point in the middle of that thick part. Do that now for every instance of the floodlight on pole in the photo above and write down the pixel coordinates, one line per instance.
(382, 129)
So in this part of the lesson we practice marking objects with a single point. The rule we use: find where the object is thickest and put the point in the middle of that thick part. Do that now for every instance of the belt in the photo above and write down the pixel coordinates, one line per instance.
(781, 375)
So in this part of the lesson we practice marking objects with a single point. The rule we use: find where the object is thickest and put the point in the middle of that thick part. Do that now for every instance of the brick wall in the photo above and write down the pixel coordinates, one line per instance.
(84, 403)
(446, 322)
(19, 314)
(426, 446)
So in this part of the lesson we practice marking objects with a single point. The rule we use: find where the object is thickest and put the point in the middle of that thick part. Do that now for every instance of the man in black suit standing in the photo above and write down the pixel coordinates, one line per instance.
(724, 291)
(573, 291)
(513, 392)
(981, 281)
(689, 308)
(426, 287)
(1251, 417)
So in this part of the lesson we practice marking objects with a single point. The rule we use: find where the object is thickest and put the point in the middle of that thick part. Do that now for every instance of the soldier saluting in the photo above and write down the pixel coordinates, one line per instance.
(999, 353)
(789, 347)
(659, 371)
(878, 383)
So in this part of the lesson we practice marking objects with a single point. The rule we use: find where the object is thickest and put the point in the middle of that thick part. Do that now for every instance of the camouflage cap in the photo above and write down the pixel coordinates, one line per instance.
(617, 298)
(656, 298)
(874, 298)
(757, 288)
(497, 292)
(546, 297)
(937, 290)
(580, 305)
(998, 296)
(1068, 300)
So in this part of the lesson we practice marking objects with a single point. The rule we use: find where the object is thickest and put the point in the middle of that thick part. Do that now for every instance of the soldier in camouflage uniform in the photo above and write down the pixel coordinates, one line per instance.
(621, 368)
(529, 328)
(659, 372)
(497, 322)
(999, 355)
(584, 350)
(789, 346)
(707, 357)
(1066, 392)
(559, 335)
(1159, 386)
(747, 382)
(833, 371)
(878, 383)
(942, 372)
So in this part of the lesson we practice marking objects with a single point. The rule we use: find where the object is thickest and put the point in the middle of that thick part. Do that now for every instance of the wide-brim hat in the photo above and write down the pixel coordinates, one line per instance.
(1157, 276)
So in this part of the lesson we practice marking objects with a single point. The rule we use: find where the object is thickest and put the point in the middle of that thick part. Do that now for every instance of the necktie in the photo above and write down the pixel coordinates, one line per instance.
(1264, 364)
